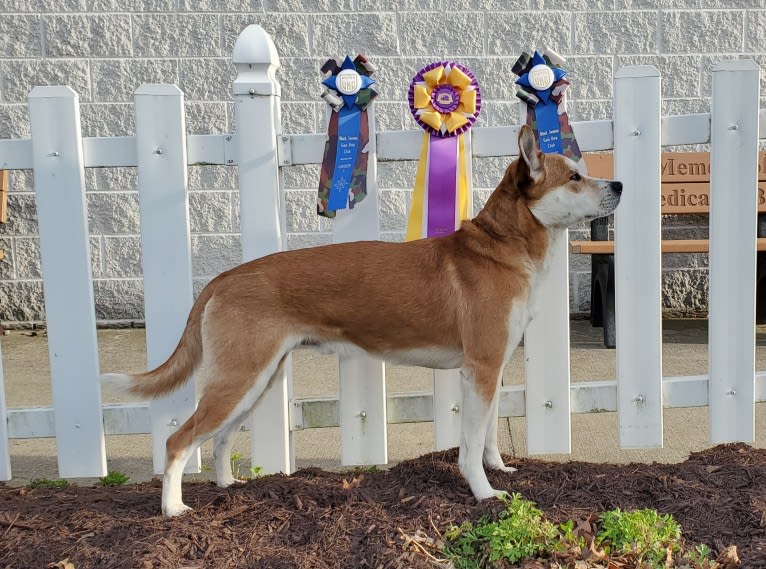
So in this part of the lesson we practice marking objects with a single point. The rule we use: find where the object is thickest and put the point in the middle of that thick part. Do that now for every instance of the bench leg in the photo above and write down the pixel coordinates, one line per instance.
(610, 328)
(760, 288)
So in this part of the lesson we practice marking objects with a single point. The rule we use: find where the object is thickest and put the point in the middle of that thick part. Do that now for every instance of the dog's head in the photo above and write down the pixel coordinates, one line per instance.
(557, 194)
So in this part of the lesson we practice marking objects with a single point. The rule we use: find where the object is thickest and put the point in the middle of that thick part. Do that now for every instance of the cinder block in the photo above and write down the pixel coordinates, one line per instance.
(308, 6)
(210, 212)
(601, 33)
(122, 257)
(207, 79)
(393, 210)
(113, 213)
(702, 31)
(87, 35)
(685, 290)
(19, 36)
(119, 299)
(22, 75)
(26, 258)
(303, 240)
(116, 80)
(22, 215)
(510, 33)
(419, 35)
(14, 121)
(345, 33)
(206, 118)
(213, 177)
(176, 35)
(107, 119)
(302, 214)
(755, 28)
(213, 254)
(299, 118)
(22, 301)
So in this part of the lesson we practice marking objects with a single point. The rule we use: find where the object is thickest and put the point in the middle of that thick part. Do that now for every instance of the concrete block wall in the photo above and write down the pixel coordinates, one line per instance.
(104, 49)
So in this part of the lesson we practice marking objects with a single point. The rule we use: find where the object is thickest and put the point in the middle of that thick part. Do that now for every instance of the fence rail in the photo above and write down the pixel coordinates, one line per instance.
(161, 150)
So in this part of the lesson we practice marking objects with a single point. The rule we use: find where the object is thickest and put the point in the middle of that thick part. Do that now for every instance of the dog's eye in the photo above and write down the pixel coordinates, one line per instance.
(575, 177)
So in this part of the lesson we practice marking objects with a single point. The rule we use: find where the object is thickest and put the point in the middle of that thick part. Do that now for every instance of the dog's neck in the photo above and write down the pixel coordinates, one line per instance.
(509, 225)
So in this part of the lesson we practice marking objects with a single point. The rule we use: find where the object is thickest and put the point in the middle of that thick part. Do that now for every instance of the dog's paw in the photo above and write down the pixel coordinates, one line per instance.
(172, 511)
(229, 482)
(501, 494)
(503, 468)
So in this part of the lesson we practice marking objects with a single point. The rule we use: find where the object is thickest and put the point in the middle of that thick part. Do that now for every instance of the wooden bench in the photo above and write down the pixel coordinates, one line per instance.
(3, 202)
(685, 190)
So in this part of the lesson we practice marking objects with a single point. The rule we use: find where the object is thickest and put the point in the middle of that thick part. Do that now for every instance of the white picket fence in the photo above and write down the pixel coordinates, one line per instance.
(161, 150)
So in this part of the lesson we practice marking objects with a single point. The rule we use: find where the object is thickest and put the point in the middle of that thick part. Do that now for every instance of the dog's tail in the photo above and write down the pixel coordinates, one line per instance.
(176, 370)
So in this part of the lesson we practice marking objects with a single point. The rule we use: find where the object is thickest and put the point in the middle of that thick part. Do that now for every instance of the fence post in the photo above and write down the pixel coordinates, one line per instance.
(637, 258)
(57, 159)
(256, 103)
(5, 457)
(165, 248)
(733, 215)
(362, 378)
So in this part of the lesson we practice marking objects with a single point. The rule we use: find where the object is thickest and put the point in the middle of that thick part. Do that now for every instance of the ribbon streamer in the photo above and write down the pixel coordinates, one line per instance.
(542, 86)
(343, 178)
(445, 100)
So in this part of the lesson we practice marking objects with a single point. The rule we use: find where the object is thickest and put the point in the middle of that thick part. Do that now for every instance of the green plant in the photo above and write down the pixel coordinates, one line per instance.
(646, 534)
(568, 538)
(114, 478)
(519, 533)
(236, 464)
(700, 556)
(48, 484)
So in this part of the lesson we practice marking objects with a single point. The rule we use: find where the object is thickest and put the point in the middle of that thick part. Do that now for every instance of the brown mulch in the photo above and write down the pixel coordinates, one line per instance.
(317, 519)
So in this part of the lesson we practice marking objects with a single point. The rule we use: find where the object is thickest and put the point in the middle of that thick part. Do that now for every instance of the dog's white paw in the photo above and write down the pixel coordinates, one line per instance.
(229, 482)
(503, 468)
(174, 510)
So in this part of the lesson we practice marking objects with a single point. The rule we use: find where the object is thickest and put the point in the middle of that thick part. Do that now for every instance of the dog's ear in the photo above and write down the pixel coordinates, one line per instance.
(530, 153)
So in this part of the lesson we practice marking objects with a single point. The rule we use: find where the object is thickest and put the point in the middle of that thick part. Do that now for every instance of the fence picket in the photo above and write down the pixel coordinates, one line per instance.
(5, 456)
(165, 247)
(256, 104)
(546, 354)
(362, 378)
(637, 259)
(57, 158)
(733, 213)
(448, 397)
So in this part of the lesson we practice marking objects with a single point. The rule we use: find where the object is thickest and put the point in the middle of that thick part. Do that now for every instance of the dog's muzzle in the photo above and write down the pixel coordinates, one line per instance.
(610, 199)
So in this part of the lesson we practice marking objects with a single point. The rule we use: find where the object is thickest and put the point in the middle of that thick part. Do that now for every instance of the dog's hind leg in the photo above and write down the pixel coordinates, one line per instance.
(224, 439)
(226, 400)
(492, 458)
(478, 385)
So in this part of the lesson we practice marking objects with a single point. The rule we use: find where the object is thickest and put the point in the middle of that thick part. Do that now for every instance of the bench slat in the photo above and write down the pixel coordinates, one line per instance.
(668, 246)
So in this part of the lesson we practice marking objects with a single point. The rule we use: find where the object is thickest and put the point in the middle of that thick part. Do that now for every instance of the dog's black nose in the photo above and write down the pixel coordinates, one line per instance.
(616, 187)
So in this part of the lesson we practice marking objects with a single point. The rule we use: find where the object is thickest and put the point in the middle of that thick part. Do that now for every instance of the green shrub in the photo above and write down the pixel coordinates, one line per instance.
(521, 532)
(646, 534)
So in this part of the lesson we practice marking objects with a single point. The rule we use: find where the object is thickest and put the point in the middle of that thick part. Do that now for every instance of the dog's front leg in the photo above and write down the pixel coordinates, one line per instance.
(478, 385)
(492, 458)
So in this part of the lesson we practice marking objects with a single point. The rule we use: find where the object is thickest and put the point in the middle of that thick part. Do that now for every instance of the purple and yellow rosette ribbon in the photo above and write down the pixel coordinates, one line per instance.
(445, 100)
(543, 87)
(343, 178)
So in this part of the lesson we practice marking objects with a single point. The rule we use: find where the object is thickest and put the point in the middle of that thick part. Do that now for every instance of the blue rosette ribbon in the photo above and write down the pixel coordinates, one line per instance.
(542, 85)
(343, 178)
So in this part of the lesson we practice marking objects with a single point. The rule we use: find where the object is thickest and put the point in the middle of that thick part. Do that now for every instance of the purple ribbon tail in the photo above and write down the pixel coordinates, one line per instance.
(442, 185)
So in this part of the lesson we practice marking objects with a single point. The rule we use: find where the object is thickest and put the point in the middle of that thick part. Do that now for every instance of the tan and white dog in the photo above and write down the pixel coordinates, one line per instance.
(462, 300)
